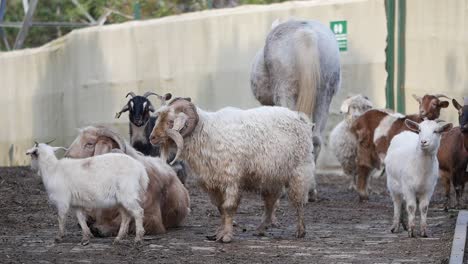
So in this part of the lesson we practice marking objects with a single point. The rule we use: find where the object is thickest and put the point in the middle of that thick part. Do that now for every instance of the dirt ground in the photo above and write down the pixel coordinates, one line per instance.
(339, 230)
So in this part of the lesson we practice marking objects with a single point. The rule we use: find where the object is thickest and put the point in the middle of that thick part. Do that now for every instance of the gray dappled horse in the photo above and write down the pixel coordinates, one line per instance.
(299, 68)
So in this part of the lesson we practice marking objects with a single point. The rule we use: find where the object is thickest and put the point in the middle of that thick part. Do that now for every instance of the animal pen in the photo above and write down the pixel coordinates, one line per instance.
(388, 51)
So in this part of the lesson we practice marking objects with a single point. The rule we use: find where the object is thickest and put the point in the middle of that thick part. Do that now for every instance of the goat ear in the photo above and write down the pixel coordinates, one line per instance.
(59, 148)
(417, 98)
(412, 125)
(444, 128)
(180, 121)
(456, 104)
(150, 108)
(444, 104)
(313, 127)
(102, 147)
(344, 107)
(124, 109)
(31, 151)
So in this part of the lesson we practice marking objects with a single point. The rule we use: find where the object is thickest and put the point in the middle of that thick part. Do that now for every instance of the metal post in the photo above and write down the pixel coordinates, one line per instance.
(2, 32)
(26, 24)
(390, 53)
(136, 10)
(401, 56)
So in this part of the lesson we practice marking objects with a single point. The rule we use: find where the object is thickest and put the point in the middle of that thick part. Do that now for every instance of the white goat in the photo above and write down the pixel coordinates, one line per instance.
(263, 149)
(343, 142)
(104, 181)
(412, 171)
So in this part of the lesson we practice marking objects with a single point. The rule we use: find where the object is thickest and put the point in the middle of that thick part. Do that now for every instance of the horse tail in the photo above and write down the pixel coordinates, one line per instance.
(308, 70)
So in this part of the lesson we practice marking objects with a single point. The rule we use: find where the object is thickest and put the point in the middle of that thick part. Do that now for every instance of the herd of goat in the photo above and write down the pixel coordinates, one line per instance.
(271, 149)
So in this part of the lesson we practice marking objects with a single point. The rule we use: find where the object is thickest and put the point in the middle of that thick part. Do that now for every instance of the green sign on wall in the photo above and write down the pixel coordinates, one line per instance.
(340, 28)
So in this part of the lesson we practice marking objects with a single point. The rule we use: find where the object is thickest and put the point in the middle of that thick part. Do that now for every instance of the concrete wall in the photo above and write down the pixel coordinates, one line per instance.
(83, 77)
(437, 51)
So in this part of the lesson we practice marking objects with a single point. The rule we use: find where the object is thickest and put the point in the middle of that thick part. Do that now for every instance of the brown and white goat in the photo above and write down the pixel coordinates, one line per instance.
(376, 128)
(453, 156)
(167, 201)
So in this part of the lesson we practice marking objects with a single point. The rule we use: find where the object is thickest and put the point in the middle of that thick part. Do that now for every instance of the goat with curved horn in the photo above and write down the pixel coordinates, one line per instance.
(441, 95)
(131, 94)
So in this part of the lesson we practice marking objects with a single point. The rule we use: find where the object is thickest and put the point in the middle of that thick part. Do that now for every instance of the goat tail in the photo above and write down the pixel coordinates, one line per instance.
(308, 70)
(144, 183)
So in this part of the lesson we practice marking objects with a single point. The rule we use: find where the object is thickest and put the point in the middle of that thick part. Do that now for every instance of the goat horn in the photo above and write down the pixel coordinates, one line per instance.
(47, 143)
(150, 93)
(178, 140)
(130, 93)
(441, 95)
(35, 142)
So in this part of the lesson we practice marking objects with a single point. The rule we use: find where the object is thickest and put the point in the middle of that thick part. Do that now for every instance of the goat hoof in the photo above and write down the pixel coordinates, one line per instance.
(300, 233)
(85, 241)
(58, 239)
(211, 238)
(423, 234)
(394, 229)
(117, 241)
(226, 238)
(410, 233)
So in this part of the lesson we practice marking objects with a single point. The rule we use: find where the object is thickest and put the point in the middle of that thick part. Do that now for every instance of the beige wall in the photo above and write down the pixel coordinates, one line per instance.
(437, 51)
(83, 77)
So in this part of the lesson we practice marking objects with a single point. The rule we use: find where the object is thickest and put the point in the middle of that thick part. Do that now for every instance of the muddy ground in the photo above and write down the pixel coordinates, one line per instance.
(339, 230)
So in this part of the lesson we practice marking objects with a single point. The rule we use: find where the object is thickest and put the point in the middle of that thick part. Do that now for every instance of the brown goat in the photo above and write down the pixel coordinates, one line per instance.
(376, 128)
(167, 201)
(453, 156)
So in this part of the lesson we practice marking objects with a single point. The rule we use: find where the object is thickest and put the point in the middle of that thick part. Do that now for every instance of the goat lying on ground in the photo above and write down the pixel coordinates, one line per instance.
(166, 202)
(106, 181)
(142, 123)
(375, 129)
(263, 149)
(412, 171)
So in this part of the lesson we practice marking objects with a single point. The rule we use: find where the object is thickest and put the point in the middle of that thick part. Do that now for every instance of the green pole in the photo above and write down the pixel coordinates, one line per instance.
(390, 53)
(401, 56)
(136, 10)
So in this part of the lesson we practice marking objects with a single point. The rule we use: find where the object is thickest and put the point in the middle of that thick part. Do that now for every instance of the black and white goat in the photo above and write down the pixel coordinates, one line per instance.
(142, 123)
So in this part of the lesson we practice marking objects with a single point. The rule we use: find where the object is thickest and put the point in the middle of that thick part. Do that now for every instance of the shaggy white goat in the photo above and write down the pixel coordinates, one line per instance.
(103, 181)
(263, 149)
(412, 171)
(343, 142)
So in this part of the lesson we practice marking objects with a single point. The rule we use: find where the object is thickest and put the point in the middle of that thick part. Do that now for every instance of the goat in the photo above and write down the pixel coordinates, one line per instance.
(343, 143)
(375, 129)
(453, 156)
(167, 201)
(263, 149)
(106, 181)
(299, 68)
(142, 123)
(412, 171)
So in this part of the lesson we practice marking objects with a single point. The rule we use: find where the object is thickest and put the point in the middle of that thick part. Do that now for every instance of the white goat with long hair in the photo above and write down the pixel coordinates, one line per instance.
(263, 149)
(105, 181)
(343, 142)
(412, 171)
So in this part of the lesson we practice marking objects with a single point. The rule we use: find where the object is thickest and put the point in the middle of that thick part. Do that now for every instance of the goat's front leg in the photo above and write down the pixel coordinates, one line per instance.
(84, 227)
(411, 209)
(423, 208)
(62, 216)
(228, 211)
